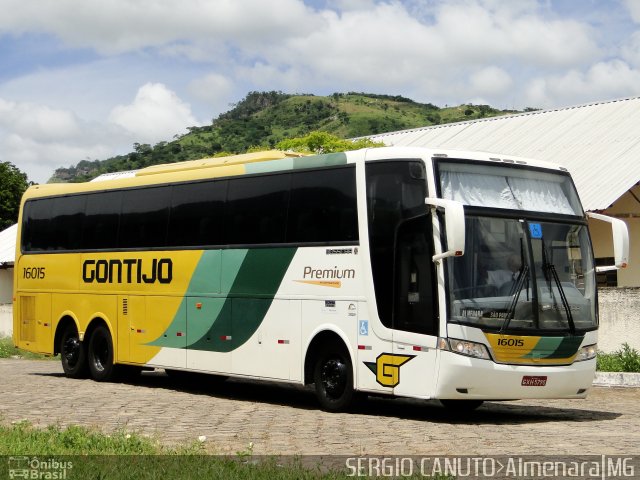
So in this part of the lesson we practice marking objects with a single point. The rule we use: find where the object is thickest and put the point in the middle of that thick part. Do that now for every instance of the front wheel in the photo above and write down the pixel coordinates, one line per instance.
(100, 354)
(73, 353)
(333, 376)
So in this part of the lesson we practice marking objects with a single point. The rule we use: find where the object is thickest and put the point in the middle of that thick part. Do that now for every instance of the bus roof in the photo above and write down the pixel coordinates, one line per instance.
(257, 162)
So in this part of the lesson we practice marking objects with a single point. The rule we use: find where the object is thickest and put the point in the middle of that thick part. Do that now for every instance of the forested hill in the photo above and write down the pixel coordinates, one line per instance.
(265, 118)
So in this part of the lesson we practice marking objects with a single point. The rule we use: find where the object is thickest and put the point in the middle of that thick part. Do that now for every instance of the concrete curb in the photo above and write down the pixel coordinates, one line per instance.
(616, 379)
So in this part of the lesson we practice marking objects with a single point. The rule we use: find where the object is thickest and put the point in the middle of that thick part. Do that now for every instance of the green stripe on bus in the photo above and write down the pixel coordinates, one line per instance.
(555, 347)
(326, 160)
(568, 347)
(250, 280)
(297, 163)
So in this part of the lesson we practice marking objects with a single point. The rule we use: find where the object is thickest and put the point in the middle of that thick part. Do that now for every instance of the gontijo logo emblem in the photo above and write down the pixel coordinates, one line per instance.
(387, 368)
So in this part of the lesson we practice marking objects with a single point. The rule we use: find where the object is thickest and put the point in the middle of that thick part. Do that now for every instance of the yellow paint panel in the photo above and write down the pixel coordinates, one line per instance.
(157, 272)
(511, 348)
(515, 349)
(212, 163)
(34, 319)
(148, 318)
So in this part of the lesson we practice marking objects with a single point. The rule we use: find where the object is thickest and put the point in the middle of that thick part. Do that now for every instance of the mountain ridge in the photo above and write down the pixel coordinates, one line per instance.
(262, 119)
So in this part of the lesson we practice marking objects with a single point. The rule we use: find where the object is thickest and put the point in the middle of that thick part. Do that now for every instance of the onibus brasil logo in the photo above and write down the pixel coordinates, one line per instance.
(37, 468)
(387, 368)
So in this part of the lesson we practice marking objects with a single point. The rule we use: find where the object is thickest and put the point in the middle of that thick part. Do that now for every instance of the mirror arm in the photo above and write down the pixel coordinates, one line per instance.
(454, 226)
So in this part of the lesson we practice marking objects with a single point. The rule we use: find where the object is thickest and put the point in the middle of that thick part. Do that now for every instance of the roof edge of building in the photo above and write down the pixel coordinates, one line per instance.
(498, 118)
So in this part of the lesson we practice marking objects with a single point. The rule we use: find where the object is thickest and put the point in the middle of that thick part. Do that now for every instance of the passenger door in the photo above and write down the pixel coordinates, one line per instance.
(412, 367)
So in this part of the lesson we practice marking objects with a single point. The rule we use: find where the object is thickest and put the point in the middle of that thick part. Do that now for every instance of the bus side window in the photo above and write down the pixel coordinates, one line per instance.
(102, 218)
(36, 234)
(323, 206)
(197, 213)
(144, 218)
(256, 209)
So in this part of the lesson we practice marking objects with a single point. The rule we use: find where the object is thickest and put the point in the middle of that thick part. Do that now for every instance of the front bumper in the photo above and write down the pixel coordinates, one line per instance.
(462, 377)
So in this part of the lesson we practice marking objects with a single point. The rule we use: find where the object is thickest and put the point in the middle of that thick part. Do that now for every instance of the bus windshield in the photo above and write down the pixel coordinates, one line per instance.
(519, 274)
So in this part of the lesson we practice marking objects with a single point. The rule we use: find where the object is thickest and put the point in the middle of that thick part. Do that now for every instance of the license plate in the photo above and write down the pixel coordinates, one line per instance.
(534, 381)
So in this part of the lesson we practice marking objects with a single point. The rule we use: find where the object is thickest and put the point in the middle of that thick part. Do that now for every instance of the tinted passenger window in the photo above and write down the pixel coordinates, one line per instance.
(145, 214)
(101, 223)
(36, 235)
(67, 215)
(257, 209)
(323, 206)
(197, 214)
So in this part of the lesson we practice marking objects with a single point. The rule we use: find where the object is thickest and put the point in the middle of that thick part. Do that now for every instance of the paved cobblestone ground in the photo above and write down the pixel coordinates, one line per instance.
(281, 419)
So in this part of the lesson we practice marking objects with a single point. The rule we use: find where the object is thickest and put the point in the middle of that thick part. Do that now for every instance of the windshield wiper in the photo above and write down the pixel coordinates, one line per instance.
(516, 295)
(549, 270)
(563, 297)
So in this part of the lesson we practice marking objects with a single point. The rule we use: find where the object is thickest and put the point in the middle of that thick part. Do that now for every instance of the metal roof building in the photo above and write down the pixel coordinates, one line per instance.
(599, 143)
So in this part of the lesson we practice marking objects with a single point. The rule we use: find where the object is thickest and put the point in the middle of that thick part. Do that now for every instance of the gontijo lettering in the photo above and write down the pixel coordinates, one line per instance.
(127, 270)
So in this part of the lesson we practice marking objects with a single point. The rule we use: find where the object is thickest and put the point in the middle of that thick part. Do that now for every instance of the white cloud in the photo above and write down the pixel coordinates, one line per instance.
(602, 81)
(192, 58)
(120, 26)
(630, 51)
(250, 30)
(38, 122)
(490, 81)
(214, 90)
(389, 48)
(634, 9)
(40, 159)
(38, 138)
(156, 114)
(478, 32)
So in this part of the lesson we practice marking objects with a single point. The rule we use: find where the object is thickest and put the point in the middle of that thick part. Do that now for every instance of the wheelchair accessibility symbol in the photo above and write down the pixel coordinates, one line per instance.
(536, 230)
(364, 327)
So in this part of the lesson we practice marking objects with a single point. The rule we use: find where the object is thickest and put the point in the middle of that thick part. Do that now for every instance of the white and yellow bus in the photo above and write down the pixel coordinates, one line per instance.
(450, 275)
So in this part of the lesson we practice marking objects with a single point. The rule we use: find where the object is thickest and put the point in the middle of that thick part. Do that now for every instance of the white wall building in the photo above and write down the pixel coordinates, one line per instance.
(7, 256)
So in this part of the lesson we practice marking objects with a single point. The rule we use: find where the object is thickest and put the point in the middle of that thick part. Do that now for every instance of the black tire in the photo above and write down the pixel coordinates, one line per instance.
(461, 406)
(333, 377)
(100, 355)
(73, 353)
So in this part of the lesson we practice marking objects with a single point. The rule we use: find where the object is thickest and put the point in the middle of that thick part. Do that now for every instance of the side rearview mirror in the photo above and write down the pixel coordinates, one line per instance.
(620, 242)
(454, 226)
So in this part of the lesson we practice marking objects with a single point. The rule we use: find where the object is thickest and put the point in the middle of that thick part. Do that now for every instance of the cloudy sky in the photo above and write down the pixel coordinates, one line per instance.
(85, 79)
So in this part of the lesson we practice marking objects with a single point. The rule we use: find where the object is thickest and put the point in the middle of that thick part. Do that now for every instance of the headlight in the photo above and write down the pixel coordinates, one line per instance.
(586, 353)
(464, 347)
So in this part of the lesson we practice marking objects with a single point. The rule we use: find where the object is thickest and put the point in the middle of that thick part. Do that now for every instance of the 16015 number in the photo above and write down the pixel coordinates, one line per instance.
(33, 273)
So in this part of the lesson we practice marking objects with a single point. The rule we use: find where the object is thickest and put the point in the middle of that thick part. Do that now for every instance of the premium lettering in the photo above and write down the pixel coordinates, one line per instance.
(128, 270)
(329, 273)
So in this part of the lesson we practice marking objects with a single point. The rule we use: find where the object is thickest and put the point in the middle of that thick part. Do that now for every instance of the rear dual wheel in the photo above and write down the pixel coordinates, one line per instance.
(73, 353)
(100, 354)
(94, 357)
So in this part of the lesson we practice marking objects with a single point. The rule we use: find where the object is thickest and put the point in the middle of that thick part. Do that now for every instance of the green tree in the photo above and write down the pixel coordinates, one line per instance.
(13, 183)
(323, 142)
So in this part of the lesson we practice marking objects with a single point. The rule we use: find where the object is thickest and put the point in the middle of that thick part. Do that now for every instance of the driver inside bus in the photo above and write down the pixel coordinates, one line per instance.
(507, 276)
